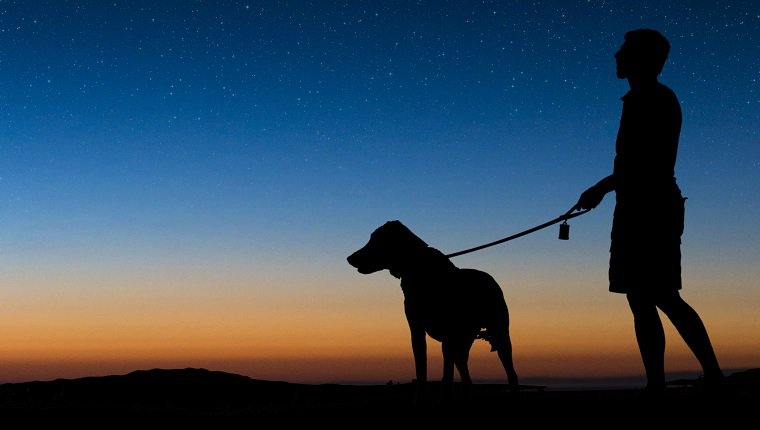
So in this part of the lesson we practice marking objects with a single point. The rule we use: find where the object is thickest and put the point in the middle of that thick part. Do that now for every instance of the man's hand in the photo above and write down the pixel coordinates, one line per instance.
(590, 198)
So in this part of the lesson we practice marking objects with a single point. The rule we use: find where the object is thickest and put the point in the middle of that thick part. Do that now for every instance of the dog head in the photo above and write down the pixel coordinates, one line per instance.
(387, 248)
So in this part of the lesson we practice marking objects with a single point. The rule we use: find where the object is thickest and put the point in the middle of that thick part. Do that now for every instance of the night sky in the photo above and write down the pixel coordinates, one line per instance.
(181, 181)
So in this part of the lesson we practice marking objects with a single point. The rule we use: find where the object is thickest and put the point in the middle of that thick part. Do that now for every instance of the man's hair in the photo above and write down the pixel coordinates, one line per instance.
(651, 48)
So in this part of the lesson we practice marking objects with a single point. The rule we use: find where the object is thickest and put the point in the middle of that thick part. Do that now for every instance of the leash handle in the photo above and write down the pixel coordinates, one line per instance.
(568, 215)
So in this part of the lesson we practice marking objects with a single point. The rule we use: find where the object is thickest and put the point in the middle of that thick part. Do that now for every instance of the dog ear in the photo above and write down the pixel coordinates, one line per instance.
(403, 234)
(393, 226)
(395, 229)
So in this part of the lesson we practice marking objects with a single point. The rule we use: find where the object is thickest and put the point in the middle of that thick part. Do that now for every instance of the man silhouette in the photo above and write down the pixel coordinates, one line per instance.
(645, 251)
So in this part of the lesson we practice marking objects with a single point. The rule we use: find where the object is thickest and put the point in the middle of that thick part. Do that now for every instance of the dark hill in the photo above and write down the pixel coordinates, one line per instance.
(201, 393)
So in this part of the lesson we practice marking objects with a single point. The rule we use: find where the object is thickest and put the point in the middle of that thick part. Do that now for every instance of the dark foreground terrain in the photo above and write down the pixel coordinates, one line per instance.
(201, 394)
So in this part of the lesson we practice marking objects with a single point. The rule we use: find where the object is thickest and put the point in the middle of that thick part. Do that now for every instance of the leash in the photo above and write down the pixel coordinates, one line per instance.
(564, 232)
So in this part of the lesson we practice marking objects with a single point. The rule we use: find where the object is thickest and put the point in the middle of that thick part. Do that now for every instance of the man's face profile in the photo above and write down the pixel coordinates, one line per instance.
(623, 60)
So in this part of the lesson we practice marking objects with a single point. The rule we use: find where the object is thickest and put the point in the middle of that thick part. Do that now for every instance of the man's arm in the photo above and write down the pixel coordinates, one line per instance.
(594, 195)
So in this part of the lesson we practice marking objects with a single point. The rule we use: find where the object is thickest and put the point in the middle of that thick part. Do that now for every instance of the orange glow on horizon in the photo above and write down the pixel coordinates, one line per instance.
(343, 331)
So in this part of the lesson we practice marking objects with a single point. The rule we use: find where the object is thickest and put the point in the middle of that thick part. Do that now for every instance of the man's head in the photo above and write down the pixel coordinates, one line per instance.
(642, 55)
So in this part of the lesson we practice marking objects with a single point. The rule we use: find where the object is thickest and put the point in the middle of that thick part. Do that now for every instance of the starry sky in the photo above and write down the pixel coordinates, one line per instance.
(181, 181)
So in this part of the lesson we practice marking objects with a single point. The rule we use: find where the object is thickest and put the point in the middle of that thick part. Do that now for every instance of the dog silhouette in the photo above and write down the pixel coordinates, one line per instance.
(452, 305)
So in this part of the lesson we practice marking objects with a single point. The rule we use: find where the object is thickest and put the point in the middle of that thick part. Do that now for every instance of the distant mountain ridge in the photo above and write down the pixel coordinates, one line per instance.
(154, 389)
(202, 392)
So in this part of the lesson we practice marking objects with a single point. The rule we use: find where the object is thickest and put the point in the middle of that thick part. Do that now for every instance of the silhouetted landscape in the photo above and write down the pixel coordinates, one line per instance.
(201, 393)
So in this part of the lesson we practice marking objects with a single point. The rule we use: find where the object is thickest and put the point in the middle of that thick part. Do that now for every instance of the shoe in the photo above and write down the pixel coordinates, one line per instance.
(653, 392)
(715, 386)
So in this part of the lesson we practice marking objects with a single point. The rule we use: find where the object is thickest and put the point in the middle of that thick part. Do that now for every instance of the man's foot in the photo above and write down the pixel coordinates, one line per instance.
(653, 392)
(714, 385)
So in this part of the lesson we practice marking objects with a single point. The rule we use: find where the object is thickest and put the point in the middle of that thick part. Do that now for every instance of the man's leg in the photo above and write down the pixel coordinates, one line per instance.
(691, 328)
(650, 336)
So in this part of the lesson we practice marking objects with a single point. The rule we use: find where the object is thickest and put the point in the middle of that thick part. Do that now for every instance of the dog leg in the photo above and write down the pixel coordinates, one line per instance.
(505, 355)
(448, 362)
(448, 350)
(456, 353)
(461, 361)
(419, 351)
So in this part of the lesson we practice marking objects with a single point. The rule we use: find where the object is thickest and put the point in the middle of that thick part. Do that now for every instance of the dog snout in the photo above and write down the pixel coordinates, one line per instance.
(364, 261)
(358, 259)
(352, 260)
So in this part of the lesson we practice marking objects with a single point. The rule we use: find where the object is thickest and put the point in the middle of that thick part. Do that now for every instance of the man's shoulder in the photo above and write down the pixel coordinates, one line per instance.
(659, 95)
(663, 90)
(658, 91)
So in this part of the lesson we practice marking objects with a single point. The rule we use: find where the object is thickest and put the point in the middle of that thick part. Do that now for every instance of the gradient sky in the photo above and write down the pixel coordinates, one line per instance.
(181, 181)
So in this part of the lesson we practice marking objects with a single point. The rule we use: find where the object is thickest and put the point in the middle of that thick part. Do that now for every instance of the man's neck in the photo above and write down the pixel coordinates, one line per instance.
(639, 84)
